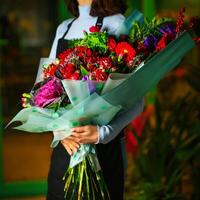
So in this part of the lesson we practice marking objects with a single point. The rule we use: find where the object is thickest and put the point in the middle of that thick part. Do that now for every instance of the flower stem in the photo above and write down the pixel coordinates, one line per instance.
(81, 180)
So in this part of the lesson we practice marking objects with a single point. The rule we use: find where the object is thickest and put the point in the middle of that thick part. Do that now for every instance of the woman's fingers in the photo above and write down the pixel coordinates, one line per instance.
(74, 143)
(70, 145)
(67, 148)
(73, 147)
(80, 129)
(86, 134)
(73, 139)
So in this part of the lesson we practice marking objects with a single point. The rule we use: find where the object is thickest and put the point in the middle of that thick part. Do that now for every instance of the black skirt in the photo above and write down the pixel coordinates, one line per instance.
(112, 161)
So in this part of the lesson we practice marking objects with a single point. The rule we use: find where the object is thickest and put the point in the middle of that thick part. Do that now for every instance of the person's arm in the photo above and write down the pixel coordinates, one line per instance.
(110, 131)
(93, 134)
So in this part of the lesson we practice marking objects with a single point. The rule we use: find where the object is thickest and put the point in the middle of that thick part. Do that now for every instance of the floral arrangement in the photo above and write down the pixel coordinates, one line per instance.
(72, 88)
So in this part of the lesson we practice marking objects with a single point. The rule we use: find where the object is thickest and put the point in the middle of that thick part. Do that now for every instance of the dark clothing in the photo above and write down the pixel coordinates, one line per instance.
(110, 156)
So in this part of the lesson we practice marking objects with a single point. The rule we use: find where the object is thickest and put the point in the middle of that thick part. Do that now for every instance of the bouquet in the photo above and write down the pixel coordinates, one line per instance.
(80, 87)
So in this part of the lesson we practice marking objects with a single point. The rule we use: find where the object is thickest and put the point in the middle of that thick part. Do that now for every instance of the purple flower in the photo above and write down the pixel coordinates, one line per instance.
(168, 28)
(151, 42)
(85, 78)
(91, 84)
(48, 93)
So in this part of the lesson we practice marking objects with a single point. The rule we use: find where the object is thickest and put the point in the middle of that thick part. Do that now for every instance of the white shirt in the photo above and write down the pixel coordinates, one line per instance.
(83, 23)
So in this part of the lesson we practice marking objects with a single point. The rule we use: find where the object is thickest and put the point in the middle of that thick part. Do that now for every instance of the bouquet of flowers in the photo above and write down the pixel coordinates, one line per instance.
(80, 87)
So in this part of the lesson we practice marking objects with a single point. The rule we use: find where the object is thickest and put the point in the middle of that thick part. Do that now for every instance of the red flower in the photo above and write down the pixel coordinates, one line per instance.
(180, 21)
(125, 49)
(138, 125)
(65, 54)
(180, 72)
(94, 29)
(197, 39)
(91, 63)
(89, 53)
(68, 70)
(80, 51)
(101, 75)
(75, 76)
(111, 44)
(91, 67)
(105, 63)
(166, 39)
(50, 70)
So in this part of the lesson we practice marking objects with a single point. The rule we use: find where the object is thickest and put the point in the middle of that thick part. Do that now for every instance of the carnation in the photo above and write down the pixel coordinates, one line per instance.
(68, 70)
(105, 63)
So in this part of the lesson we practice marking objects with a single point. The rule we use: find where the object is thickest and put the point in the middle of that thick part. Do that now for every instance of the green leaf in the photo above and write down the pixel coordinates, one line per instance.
(84, 71)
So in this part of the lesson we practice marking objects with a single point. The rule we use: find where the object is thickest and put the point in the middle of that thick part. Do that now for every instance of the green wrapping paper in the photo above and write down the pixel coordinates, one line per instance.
(144, 78)
(125, 27)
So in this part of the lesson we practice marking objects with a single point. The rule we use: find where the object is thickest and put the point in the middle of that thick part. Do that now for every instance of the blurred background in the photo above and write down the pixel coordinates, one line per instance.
(163, 143)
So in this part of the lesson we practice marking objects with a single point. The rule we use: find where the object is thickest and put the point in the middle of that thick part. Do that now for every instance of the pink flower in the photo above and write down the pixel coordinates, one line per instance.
(48, 93)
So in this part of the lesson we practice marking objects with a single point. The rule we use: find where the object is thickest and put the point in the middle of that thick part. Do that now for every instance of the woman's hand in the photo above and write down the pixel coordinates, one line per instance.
(71, 145)
(86, 134)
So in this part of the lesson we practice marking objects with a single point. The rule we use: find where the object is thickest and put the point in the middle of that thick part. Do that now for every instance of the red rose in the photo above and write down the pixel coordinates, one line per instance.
(94, 29)
(111, 44)
(125, 49)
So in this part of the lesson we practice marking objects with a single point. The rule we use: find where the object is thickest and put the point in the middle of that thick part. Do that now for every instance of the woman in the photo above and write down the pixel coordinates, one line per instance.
(106, 14)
